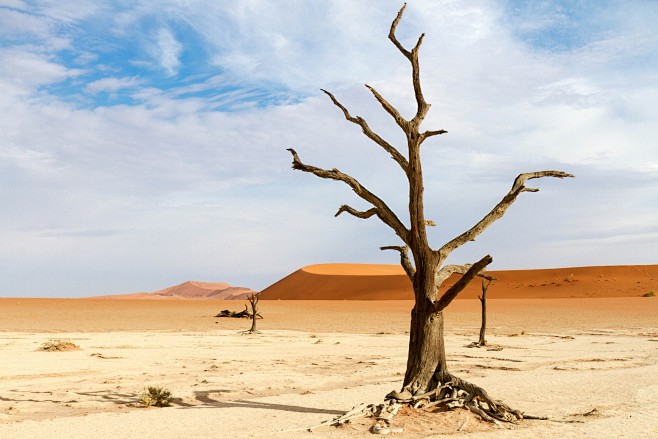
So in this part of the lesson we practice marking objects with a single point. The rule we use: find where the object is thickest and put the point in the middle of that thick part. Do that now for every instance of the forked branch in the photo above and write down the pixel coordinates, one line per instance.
(448, 270)
(499, 210)
(457, 288)
(412, 56)
(381, 209)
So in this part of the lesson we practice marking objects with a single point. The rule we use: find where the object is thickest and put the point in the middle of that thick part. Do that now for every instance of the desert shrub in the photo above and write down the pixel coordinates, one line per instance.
(156, 397)
(651, 293)
(59, 346)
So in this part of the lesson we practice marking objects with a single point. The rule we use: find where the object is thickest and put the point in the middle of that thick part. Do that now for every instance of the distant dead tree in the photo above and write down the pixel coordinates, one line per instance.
(253, 301)
(253, 315)
(483, 303)
(427, 380)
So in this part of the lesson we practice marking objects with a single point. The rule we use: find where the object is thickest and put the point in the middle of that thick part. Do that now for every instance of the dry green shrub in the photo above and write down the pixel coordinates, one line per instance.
(155, 397)
(59, 346)
(651, 293)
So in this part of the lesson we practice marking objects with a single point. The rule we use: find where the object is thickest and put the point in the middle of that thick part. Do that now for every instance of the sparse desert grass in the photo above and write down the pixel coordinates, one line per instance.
(59, 346)
(651, 293)
(155, 397)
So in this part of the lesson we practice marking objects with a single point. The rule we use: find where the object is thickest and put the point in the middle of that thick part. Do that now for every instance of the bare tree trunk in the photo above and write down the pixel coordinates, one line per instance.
(483, 302)
(426, 344)
(253, 301)
(427, 368)
(427, 354)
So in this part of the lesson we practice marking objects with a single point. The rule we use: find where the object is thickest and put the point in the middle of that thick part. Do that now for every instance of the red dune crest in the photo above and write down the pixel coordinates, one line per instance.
(355, 269)
(389, 282)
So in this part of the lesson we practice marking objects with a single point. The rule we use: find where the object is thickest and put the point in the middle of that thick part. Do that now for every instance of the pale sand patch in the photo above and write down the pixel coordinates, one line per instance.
(555, 360)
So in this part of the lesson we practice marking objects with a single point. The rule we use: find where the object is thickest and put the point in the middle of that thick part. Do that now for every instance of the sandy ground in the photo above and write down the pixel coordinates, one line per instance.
(589, 364)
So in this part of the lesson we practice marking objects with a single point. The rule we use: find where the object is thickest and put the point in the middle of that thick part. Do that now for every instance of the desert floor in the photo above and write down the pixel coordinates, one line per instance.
(591, 365)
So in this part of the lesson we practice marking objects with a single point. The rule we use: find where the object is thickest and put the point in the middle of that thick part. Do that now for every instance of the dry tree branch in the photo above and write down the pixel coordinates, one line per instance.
(393, 38)
(357, 213)
(381, 209)
(402, 122)
(369, 133)
(448, 270)
(431, 133)
(423, 106)
(499, 210)
(457, 288)
(412, 56)
(404, 259)
(390, 109)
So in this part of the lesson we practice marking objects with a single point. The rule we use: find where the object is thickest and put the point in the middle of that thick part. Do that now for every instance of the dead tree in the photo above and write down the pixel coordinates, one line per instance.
(427, 377)
(253, 301)
(483, 302)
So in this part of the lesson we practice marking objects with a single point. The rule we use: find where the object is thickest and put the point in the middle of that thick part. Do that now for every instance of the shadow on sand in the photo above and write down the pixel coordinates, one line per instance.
(202, 397)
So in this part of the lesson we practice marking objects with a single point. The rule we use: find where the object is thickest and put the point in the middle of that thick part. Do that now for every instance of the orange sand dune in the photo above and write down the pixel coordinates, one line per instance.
(191, 290)
(389, 282)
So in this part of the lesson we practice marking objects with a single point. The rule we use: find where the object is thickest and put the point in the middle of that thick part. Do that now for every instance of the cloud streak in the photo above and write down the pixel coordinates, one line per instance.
(168, 51)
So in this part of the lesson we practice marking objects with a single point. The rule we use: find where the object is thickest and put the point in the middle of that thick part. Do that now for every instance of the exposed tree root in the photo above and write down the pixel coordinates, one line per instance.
(455, 393)
(383, 413)
(359, 411)
(250, 331)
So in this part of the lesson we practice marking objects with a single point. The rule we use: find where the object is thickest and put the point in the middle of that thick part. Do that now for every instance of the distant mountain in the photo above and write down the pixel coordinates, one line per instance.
(190, 290)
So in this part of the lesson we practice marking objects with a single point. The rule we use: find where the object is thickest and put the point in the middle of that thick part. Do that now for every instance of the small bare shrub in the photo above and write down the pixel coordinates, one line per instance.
(59, 346)
(155, 397)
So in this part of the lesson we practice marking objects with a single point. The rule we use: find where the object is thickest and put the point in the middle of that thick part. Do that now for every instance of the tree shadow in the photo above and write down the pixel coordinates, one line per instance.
(203, 396)
(115, 397)
(103, 395)
(54, 401)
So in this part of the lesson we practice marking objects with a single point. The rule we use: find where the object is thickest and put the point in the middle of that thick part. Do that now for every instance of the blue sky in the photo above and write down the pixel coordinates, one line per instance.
(143, 143)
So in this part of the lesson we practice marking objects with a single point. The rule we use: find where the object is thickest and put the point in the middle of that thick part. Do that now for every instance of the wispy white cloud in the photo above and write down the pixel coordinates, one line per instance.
(111, 84)
(67, 11)
(168, 51)
(26, 71)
